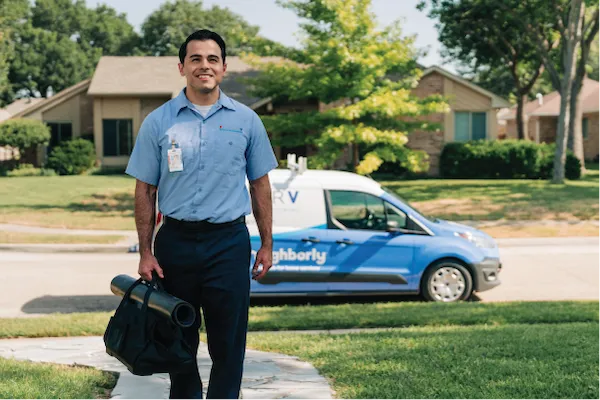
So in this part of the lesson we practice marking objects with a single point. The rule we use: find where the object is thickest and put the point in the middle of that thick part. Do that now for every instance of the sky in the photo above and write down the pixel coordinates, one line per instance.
(279, 24)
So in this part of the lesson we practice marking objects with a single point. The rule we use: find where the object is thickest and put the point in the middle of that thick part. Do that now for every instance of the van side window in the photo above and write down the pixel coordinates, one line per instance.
(356, 210)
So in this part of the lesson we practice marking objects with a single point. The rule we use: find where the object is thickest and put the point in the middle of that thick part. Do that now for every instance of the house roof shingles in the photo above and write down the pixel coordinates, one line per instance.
(151, 76)
(550, 105)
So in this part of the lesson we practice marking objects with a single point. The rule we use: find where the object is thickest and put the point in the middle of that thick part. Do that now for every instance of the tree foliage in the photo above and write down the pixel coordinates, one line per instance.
(365, 75)
(166, 28)
(23, 134)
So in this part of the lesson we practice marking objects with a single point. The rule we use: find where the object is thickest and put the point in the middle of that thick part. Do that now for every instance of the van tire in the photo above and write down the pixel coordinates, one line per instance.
(460, 284)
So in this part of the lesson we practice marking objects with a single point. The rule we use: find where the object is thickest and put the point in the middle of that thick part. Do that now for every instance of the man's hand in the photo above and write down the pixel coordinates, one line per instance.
(264, 257)
(148, 263)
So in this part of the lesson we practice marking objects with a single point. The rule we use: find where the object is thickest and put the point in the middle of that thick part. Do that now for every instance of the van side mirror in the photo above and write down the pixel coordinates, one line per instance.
(392, 226)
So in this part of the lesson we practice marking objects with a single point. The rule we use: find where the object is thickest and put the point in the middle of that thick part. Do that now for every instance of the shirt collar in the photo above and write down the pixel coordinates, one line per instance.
(181, 101)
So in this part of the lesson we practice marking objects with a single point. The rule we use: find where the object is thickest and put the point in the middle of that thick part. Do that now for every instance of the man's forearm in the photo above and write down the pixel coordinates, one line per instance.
(260, 191)
(145, 210)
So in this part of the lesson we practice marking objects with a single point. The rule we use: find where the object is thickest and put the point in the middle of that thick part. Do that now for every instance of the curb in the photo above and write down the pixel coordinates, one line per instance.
(66, 248)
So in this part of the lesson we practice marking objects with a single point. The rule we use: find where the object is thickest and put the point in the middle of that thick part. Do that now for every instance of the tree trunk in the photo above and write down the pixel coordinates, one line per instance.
(575, 126)
(571, 44)
(520, 124)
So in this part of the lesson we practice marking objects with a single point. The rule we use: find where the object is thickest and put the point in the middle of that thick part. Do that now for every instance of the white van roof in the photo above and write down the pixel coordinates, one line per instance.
(330, 180)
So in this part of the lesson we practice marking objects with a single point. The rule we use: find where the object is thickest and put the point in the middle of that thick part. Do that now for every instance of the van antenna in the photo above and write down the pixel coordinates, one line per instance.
(297, 166)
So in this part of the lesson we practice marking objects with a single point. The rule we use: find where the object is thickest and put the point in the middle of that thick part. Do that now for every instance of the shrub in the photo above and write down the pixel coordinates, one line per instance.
(72, 157)
(507, 159)
(23, 133)
(30, 170)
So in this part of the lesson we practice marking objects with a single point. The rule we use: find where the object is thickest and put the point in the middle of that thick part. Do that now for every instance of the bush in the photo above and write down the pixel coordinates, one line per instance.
(30, 170)
(72, 157)
(23, 133)
(507, 159)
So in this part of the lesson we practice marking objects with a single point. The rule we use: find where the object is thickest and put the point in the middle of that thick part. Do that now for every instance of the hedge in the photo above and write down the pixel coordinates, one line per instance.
(507, 159)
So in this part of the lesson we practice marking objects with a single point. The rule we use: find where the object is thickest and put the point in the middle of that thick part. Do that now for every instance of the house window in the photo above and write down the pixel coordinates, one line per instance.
(59, 132)
(118, 137)
(470, 126)
(585, 126)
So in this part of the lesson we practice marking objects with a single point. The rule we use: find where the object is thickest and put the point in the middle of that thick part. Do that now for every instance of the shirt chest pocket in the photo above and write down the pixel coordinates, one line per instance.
(230, 151)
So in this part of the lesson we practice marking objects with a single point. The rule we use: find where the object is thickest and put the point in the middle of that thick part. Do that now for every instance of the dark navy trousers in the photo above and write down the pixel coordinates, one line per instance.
(208, 266)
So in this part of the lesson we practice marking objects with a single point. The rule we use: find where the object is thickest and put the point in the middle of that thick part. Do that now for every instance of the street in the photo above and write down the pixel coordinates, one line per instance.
(41, 283)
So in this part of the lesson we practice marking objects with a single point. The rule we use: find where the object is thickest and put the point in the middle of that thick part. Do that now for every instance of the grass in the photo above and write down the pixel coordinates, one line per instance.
(375, 315)
(27, 380)
(106, 201)
(516, 199)
(481, 361)
(428, 350)
(84, 202)
(21, 237)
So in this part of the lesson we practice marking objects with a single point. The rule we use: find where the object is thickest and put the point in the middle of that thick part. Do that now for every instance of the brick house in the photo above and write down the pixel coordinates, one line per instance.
(541, 118)
(110, 107)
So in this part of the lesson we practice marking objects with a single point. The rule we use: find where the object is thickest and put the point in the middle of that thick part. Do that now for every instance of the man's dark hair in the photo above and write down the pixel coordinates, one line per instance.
(202, 34)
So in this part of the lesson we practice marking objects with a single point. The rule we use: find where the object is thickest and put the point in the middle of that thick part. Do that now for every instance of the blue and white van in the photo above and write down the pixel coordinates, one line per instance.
(341, 233)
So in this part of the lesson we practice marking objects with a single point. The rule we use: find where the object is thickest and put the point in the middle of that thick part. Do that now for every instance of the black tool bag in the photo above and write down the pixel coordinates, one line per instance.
(144, 341)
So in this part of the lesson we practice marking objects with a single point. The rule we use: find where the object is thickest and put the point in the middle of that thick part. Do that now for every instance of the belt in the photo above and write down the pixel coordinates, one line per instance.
(202, 225)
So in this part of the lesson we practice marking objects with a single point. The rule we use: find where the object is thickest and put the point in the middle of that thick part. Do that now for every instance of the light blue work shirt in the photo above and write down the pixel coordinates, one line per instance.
(218, 152)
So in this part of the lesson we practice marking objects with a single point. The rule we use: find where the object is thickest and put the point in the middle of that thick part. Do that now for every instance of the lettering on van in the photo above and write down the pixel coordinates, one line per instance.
(319, 257)
(285, 196)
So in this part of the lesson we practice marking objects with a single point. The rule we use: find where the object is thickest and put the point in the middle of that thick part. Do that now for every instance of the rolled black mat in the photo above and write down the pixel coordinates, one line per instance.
(179, 311)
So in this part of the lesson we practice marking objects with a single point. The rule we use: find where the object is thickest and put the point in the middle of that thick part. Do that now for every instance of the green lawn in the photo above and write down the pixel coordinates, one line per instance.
(375, 315)
(85, 202)
(106, 202)
(21, 237)
(482, 361)
(424, 350)
(27, 380)
(516, 199)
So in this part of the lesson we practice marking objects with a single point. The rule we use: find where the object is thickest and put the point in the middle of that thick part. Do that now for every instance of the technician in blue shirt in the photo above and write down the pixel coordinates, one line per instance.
(195, 151)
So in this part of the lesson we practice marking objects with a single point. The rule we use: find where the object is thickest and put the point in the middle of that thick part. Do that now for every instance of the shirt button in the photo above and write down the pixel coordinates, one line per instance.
(201, 167)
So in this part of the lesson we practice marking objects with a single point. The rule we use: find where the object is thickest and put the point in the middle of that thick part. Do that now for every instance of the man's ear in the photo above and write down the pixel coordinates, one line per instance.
(224, 68)
(180, 65)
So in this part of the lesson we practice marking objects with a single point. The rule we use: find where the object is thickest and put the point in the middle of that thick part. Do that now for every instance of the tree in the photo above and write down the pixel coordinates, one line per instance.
(11, 12)
(58, 43)
(166, 28)
(44, 60)
(349, 65)
(477, 34)
(568, 19)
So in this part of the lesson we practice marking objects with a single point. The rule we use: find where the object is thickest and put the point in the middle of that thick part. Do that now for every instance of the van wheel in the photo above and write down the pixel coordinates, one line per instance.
(447, 281)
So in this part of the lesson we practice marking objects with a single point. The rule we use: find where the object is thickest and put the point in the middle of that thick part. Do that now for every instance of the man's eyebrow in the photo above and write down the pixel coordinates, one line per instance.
(200, 55)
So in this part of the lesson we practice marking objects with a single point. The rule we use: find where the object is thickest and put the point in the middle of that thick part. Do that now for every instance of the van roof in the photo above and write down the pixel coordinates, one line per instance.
(332, 180)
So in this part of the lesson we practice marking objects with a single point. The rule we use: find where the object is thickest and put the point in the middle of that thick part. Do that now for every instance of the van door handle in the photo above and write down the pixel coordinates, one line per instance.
(344, 241)
(311, 239)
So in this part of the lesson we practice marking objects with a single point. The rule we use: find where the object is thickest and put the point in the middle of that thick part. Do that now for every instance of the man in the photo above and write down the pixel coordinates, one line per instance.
(196, 151)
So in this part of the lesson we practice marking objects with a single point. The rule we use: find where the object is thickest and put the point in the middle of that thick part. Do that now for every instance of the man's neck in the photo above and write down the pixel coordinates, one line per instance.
(202, 99)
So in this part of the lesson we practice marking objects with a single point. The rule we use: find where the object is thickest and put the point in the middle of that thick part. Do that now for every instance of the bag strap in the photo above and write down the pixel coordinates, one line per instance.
(144, 310)
(127, 295)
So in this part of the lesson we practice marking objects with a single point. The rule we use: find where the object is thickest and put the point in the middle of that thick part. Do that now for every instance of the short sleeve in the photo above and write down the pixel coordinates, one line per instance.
(144, 163)
(260, 158)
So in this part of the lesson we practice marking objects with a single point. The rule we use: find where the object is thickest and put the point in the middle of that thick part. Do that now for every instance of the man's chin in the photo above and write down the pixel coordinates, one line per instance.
(205, 89)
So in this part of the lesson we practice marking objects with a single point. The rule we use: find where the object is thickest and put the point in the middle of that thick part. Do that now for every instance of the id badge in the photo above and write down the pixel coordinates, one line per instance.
(175, 160)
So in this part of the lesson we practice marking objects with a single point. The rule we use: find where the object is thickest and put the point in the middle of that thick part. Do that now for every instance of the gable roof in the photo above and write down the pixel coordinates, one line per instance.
(18, 106)
(497, 101)
(59, 97)
(159, 76)
(550, 104)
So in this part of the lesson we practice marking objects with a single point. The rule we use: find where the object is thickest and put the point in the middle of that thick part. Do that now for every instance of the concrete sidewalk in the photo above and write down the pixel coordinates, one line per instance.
(266, 375)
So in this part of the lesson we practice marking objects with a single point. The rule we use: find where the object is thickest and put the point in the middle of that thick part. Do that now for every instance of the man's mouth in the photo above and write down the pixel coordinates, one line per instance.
(204, 76)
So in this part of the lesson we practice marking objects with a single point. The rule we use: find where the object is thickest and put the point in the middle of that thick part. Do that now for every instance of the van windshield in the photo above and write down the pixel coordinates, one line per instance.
(394, 195)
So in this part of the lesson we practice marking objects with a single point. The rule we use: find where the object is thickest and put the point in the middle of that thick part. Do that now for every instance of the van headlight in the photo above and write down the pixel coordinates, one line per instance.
(479, 241)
